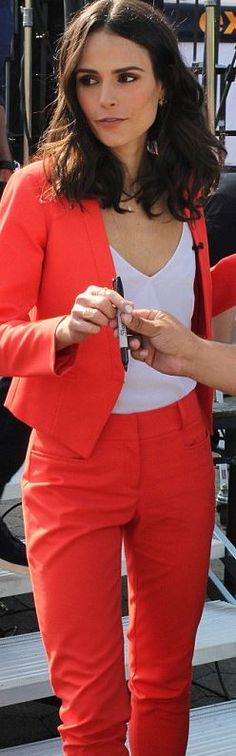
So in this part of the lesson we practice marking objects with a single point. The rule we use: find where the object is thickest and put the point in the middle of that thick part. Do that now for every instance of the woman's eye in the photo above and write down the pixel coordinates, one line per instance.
(86, 81)
(126, 78)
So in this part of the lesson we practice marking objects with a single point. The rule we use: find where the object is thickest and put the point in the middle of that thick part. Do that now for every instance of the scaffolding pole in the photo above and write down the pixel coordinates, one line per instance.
(210, 57)
(27, 13)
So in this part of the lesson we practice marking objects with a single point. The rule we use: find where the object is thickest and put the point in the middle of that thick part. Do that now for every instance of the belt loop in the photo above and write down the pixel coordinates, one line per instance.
(187, 407)
(182, 413)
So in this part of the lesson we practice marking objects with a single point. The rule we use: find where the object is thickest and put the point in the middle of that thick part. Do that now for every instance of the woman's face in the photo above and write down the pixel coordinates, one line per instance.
(117, 90)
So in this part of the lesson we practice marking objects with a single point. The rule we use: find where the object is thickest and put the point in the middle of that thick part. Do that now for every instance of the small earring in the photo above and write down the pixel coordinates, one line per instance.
(162, 101)
(152, 147)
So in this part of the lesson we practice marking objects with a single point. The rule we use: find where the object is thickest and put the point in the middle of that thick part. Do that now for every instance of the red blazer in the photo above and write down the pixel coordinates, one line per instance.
(49, 252)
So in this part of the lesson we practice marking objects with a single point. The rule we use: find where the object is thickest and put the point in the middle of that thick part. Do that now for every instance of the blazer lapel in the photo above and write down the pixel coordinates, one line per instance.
(201, 321)
(99, 243)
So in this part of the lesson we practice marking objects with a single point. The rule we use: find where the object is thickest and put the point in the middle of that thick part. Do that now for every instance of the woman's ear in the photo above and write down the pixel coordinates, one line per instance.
(162, 98)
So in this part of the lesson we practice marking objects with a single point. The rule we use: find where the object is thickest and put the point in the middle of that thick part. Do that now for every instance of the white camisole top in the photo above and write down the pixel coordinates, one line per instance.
(170, 289)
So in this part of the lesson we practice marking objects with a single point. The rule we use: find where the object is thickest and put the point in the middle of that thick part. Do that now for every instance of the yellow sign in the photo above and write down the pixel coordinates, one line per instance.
(227, 22)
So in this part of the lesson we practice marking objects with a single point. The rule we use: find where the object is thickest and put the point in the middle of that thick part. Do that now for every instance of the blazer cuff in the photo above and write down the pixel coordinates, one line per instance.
(63, 359)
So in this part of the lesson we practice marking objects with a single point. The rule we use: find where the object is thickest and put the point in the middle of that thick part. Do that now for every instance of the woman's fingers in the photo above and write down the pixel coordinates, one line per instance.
(90, 319)
(105, 300)
(93, 309)
(96, 308)
(84, 327)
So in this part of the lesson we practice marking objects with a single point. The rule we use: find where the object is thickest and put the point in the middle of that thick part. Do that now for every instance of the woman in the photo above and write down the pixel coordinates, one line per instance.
(113, 456)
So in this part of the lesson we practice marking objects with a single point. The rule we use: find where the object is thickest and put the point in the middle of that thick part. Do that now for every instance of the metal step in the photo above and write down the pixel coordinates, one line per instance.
(213, 730)
(216, 635)
(217, 549)
(212, 733)
(12, 489)
(50, 747)
(12, 584)
(23, 664)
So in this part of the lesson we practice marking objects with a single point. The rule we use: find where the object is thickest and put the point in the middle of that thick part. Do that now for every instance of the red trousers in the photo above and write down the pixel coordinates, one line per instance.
(150, 480)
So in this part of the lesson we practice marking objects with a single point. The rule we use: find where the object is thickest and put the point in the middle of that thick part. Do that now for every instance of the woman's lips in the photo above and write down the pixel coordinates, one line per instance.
(110, 118)
(110, 121)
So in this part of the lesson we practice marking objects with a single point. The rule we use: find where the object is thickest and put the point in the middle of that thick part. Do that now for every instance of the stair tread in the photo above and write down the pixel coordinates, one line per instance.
(216, 635)
(24, 671)
(50, 747)
(217, 549)
(213, 730)
(13, 584)
(212, 733)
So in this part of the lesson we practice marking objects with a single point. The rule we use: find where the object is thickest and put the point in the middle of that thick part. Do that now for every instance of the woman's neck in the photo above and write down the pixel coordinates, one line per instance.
(131, 157)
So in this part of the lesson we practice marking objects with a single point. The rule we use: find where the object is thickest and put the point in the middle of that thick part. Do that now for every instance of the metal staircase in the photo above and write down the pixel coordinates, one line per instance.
(212, 733)
(24, 674)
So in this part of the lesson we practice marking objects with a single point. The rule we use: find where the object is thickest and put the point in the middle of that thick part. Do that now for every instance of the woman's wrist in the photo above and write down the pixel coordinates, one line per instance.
(62, 335)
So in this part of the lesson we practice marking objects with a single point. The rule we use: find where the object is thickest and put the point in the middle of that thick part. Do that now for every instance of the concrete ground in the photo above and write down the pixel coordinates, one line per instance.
(38, 720)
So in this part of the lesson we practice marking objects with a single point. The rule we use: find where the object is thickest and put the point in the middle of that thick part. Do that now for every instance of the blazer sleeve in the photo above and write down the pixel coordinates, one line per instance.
(27, 347)
(223, 276)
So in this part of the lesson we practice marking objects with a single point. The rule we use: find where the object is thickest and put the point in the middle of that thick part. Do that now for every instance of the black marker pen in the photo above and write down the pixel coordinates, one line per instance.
(122, 330)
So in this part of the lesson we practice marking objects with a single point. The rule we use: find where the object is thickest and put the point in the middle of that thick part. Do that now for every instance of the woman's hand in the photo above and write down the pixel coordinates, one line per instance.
(165, 344)
(92, 310)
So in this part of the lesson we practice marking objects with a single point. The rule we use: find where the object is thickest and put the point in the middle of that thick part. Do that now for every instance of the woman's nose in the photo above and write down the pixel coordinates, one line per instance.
(107, 96)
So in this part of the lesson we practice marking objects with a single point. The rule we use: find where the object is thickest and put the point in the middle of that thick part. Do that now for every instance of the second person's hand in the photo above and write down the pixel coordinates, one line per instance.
(164, 344)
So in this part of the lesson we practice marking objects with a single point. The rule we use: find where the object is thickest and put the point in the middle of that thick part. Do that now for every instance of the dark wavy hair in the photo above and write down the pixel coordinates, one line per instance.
(189, 157)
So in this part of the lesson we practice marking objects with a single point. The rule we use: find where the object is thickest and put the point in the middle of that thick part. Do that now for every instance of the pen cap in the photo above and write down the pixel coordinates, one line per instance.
(118, 285)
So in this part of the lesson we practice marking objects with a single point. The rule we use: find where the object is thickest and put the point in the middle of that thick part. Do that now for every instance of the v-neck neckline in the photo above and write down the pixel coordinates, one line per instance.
(161, 270)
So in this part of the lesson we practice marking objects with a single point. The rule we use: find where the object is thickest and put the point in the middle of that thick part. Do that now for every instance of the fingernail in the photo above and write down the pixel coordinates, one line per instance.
(129, 308)
(128, 318)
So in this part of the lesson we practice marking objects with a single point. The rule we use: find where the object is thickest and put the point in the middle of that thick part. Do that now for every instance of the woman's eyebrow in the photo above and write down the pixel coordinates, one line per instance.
(116, 70)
